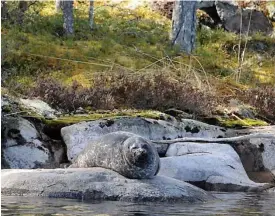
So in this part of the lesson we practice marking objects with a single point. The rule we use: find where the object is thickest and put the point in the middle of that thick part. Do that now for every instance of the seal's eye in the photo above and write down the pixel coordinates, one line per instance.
(134, 148)
(144, 146)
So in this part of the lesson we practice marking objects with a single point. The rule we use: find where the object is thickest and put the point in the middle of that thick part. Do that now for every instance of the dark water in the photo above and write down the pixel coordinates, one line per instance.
(229, 204)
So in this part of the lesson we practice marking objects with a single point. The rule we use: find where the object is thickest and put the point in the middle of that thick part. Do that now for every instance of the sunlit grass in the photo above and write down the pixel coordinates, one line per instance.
(123, 39)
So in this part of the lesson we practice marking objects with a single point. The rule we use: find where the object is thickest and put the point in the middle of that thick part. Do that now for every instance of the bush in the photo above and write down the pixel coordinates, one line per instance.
(108, 91)
(263, 99)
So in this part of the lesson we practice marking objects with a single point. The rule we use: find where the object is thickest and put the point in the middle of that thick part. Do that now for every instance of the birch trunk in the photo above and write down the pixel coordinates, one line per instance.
(4, 11)
(184, 25)
(91, 14)
(57, 6)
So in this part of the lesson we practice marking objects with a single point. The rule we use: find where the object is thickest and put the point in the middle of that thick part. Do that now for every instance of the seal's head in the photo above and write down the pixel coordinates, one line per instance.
(139, 152)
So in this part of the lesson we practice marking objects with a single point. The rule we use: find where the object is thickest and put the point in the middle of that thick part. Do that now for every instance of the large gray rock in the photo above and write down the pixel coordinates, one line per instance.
(268, 153)
(39, 107)
(24, 148)
(252, 22)
(77, 136)
(210, 166)
(97, 184)
(226, 9)
(257, 155)
(270, 7)
(205, 4)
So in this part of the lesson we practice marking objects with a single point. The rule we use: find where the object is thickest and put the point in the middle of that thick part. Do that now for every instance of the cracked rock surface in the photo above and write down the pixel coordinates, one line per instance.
(77, 136)
(210, 166)
(97, 184)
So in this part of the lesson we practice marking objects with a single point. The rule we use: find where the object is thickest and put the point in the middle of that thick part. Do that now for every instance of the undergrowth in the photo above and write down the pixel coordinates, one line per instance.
(263, 99)
(111, 91)
(86, 69)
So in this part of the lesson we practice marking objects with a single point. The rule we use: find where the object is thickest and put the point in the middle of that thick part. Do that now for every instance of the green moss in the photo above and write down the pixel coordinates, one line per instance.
(73, 119)
(128, 40)
(6, 108)
(243, 123)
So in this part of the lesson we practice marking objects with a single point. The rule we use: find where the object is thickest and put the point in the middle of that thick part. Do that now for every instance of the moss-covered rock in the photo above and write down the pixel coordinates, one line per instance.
(243, 122)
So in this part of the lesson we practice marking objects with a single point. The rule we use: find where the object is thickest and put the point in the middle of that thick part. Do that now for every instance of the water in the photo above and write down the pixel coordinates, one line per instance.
(229, 204)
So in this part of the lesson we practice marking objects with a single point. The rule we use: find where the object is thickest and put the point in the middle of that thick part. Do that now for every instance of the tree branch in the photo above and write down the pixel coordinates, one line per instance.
(217, 140)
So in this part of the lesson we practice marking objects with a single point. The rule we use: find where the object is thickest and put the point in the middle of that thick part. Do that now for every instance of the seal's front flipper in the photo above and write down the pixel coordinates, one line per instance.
(157, 169)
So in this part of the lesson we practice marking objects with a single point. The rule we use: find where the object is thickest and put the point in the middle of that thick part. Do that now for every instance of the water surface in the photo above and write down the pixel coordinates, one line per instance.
(229, 204)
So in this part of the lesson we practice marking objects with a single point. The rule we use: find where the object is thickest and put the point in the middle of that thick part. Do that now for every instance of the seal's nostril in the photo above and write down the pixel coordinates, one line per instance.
(143, 151)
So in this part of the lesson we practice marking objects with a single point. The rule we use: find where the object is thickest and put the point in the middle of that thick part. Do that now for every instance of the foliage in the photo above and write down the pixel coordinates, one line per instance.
(157, 91)
(118, 63)
(263, 99)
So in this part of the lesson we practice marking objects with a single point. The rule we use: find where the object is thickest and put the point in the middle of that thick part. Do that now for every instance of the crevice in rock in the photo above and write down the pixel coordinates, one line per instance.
(212, 12)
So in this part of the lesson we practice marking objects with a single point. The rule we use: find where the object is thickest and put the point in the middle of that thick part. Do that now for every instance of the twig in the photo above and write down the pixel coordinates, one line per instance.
(171, 61)
(139, 51)
(238, 118)
(240, 42)
(217, 140)
(151, 64)
(111, 62)
(15, 113)
(202, 70)
(243, 53)
(63, 59)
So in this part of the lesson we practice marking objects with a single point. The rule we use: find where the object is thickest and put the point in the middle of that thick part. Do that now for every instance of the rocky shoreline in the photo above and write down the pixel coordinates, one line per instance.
(34, 162)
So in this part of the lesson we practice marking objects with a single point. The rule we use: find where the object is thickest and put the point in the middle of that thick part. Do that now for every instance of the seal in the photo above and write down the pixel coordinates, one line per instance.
(125, 153)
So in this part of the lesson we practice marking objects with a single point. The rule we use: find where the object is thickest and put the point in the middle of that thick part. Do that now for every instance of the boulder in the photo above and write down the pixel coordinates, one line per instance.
(165, 7)
(39, 107)
(226, 9)
(268, 151)
(24, 148)
(240, 109)
(210, 166)
(205, 4)
(270, 7)
(77, 136)
(9, 105)
(97, 184)
(227, 13)
(257, 155)
(252, 22)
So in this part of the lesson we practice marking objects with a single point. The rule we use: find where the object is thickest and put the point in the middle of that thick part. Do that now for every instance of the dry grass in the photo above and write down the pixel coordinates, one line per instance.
(263, 99)
(157, 91)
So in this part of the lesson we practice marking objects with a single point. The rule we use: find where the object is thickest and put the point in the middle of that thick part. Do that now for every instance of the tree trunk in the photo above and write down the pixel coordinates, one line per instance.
(22, 8)
(68, 16)
(4, 11)
(184, 25)
(57, 6)
(91, 14)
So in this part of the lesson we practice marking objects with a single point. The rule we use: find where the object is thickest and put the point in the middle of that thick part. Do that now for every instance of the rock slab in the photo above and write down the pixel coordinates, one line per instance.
(97, 184)
(77, 136)
(257, 155)
(211, 166)
(23, 147)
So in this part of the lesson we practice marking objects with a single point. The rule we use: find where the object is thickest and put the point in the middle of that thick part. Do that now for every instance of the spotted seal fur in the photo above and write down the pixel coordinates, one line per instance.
(126, 153)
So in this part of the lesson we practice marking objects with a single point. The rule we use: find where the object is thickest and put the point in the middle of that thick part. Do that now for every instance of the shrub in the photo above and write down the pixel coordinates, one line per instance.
(70, 98)
(263, 99)
(108, 91)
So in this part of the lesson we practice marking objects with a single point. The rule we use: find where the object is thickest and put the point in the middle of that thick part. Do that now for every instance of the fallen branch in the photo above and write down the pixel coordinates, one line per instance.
(15, 113)
(217, 140)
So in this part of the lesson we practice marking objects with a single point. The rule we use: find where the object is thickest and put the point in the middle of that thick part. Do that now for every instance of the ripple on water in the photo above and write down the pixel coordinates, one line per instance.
(229, 204)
